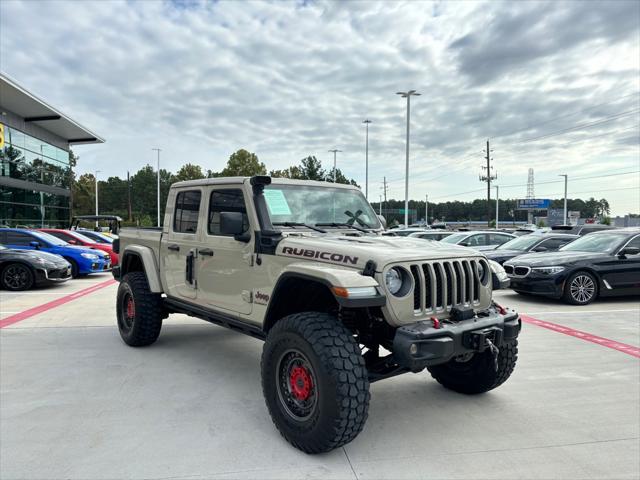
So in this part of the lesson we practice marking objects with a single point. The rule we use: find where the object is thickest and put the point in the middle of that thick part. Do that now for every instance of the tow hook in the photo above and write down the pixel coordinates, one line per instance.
(481, 340)
(495, 351)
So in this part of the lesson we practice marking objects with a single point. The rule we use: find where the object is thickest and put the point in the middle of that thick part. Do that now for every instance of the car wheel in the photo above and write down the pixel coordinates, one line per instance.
(75, 271)
(581, 289)
(17, 277)
(140, 311)
(314, 382)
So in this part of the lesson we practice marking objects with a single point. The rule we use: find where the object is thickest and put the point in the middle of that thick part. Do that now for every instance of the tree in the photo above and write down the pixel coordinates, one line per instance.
(243, 164)
(291, 172)
(311, 169)
(189, 172)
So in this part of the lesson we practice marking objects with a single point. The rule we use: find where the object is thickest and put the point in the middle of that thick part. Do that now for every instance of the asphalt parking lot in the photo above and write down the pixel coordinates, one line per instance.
(75, 402)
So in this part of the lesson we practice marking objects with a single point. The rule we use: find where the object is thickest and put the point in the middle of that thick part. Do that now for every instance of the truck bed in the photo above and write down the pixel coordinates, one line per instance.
(148, 237)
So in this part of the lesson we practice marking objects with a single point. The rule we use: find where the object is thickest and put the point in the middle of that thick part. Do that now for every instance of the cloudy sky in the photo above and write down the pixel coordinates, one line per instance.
(555, 86)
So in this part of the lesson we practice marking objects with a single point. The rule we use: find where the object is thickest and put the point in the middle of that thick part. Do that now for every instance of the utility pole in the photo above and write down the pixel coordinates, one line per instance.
(407, 95)
(129, 196)
(487, 178)
(97, 172)
(380, 206)
(566, 214)
(497, 203)
(158, 150)
(366, 154)
(335, 150)
(426, 211)
(385, 187)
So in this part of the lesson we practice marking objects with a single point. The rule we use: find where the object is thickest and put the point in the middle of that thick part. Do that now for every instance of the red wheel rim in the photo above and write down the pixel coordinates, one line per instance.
(300, 382)
(131, 309)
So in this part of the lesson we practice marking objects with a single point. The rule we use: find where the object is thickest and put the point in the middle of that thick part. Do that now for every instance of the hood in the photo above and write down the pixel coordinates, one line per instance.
(49, 257)
(542, 259)
(355, 252)
(77, 249)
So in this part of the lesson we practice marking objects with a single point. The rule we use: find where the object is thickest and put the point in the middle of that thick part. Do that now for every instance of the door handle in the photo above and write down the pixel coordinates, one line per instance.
(206, 251)
(174, 247)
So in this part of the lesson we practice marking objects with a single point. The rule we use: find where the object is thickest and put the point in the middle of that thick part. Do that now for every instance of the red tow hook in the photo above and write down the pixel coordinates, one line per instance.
(501, 309)
(436, 322)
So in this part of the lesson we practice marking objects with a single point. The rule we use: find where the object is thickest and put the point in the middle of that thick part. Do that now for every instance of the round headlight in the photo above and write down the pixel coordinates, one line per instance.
(393, 279)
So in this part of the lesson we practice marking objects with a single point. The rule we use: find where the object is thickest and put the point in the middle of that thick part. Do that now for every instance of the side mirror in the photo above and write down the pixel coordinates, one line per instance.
(231, 223)
(540, 249)
(35, 245)
(464, 244)
(383, 221)
(629, 251)
(72, 242)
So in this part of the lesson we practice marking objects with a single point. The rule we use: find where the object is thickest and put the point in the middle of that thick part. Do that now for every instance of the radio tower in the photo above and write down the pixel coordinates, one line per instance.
(530, 194)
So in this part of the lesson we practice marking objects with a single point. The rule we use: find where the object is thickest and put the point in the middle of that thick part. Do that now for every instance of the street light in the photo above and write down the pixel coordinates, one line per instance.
(335, 150)
(407, 95)
(564, 222)
(497, 203)
(97, 172)
(158, 150)
(366, 150)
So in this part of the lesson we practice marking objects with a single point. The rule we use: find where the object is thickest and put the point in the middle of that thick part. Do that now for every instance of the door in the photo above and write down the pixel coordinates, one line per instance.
(179, 245)
(224, 265)
(21, 241)
(623, 275)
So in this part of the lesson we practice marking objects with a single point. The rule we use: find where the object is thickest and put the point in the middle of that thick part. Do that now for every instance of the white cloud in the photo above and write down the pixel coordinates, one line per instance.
(290, 79)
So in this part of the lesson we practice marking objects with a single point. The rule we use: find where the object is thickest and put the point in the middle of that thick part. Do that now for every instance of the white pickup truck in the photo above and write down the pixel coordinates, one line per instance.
(303, 266)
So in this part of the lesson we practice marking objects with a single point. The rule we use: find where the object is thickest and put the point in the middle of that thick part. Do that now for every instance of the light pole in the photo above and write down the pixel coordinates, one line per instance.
(366, 154)
(97, 172)
(335, 150)
(564, 222)
(158, 199)
(426, 212)
(497, 202)
(407, 95)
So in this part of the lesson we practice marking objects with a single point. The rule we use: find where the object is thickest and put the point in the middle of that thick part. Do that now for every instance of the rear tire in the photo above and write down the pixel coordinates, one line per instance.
(477, 374)
(140, 312)
(17, 277)
(314, 382)
(581, 288)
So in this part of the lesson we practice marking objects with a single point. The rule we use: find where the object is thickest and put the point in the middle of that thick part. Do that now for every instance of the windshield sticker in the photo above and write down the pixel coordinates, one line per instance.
(276, 202)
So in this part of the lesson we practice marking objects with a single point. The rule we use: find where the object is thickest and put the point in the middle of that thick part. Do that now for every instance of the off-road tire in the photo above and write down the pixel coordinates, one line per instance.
(477, 375)
(142, 328)
(16, 277)
(574, 298)
(337, 370)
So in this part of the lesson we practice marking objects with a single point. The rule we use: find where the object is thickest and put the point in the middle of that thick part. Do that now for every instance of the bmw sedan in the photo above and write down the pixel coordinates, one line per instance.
(599, 264)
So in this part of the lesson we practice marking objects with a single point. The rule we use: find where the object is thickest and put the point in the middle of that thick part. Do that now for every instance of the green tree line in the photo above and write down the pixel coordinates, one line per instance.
(135, 199)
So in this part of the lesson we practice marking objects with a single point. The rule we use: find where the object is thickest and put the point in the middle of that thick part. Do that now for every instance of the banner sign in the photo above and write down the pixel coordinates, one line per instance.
(534, 204)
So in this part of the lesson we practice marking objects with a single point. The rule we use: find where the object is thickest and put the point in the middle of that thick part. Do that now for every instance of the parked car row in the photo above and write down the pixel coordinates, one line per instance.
(31, 258)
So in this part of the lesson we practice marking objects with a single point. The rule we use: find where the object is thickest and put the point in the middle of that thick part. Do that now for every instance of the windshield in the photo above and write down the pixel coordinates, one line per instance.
(455, 238)
(521, 244)
(313, 205)
(50, 239)
(597, 243)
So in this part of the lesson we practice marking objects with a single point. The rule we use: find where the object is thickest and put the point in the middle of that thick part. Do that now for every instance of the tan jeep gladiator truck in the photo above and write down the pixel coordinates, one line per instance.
(303, 266)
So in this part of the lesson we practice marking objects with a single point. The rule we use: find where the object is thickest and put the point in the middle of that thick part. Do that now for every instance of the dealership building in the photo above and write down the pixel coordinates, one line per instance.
(35, 168)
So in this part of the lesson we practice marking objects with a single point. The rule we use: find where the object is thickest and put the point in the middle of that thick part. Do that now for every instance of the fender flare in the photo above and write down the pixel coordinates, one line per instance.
(149, 262)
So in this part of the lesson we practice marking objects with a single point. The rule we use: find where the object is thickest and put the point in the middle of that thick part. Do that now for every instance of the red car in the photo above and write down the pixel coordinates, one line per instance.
(75, 238)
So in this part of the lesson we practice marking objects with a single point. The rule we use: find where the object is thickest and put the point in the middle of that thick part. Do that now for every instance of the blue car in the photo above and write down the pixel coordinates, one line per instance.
(83, 260)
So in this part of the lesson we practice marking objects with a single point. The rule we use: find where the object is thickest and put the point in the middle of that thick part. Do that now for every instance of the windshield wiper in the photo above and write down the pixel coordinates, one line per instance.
(297, 224)
(334, 224)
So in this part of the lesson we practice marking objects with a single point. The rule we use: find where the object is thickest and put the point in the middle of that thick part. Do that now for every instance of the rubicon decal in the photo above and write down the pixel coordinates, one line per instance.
(332, 257)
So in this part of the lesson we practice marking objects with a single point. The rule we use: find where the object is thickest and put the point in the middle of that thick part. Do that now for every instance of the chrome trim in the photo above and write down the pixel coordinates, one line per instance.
(514, 275)
(606, 284)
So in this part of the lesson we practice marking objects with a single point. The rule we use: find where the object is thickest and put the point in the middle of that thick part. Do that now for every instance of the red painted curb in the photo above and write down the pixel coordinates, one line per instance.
(588, 337)
(18, 317)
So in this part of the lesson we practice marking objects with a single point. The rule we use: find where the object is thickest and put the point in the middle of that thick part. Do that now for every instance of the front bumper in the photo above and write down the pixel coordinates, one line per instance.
(434, 346)
(57, 274)
(549, 286)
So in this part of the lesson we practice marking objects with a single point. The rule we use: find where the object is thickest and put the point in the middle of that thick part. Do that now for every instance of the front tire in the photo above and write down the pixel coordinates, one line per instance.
(314, 382)
(477, 374)
(139, 310)
(17, 277)
(580, 289)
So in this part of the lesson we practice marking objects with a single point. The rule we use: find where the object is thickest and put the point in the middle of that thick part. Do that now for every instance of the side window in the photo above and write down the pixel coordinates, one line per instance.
(635, 242)
(18, 238)
(185, 216)
(477, 240)
(227, 200)
(497, 239)
(59, 235)
(554, 243)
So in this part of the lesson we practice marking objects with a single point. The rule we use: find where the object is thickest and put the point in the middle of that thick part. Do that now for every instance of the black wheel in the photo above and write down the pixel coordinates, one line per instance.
(314, 382)
(476, 373)
(140, 311)
(75, 271)
(581, 288)
(16, 277)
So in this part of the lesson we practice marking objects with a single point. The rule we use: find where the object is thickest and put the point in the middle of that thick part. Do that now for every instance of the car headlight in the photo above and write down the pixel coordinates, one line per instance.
(393, 280)
(548, 270)
(498, 270)
(90, 256)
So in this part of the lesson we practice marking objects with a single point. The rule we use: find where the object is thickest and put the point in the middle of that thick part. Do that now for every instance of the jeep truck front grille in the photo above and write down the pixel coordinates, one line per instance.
(440, 286)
